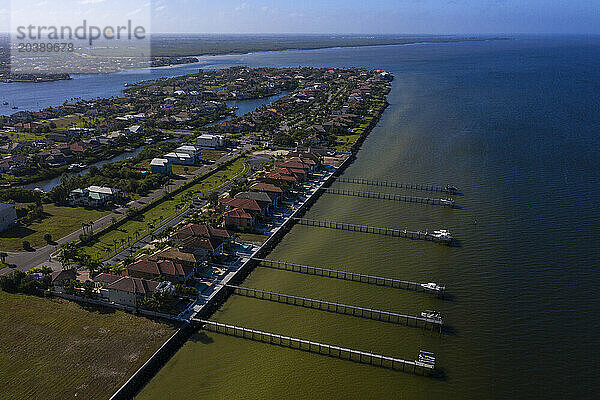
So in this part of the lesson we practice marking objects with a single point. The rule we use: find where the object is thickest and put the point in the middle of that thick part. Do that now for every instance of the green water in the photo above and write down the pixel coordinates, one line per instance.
(514, 125)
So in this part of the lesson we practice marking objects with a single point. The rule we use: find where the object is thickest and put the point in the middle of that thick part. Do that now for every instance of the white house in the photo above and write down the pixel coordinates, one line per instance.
(207, 141)
(191, 150)
(94, 196)
(180, 158)
(161, 166)
(8, 216)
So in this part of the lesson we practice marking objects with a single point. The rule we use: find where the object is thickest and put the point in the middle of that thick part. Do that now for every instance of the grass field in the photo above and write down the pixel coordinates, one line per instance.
(344, 143)
(55, 349)
(60, 221)
(155, 215)
(212, 155)
(180, 169)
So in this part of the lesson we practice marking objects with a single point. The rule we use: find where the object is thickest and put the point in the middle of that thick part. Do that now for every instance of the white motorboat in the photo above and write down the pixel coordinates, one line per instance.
(430, 314)
(447, 202)
(432, 287)
(442, 235)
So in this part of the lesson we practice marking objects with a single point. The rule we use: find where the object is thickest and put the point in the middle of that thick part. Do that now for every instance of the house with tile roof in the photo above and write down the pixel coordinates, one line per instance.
(148, 269)
(239, 219)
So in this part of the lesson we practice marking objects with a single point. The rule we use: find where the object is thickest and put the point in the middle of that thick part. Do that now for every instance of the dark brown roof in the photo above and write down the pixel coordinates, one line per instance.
(206, 231)
(266, 187)
(106, 279)
(162, 267)
(64, 275)
(245, 204)
(134, 285)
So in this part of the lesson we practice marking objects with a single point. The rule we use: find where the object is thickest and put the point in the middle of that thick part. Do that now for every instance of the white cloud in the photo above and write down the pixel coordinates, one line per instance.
(134, 12)
(160, 8)
(242, 6)
(91, 1)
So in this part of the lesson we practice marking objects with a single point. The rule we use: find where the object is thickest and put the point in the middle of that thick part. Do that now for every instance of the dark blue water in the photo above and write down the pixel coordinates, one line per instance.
(515, 124)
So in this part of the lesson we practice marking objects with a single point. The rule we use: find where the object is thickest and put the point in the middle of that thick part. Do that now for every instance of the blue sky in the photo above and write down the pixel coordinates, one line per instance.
(347, 16)
(379, 16)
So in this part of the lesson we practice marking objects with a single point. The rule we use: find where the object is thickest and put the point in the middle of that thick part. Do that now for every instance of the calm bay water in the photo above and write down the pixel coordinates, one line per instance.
(514, 124)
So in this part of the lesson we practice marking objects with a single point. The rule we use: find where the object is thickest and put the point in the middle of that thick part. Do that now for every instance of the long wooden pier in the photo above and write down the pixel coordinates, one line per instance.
(339, 308)
(399, 185)
(358, 356)
(401, 233)
(348, 276)
(392, 196)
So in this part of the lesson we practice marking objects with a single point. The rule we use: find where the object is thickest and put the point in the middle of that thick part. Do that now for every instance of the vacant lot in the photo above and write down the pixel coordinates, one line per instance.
(54, 349)
(58, 222)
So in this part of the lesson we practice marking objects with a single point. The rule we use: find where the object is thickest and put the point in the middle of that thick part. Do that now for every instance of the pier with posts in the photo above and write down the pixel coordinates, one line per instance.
(433, 324)
(348, 276)
(374, 230)
(391, 196)
(411, 186)
(415, 367)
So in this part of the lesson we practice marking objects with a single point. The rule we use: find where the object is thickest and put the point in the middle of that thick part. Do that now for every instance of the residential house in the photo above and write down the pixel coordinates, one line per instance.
(207, 141)
(129, 291)
(272, 190)
(175, 255)
(59, 278)
(251, 206)
(94, 196)
(161, 166)
(180, 158)
(8, 216)
(147, 269)
(202, 240)
(193, 151)
(265, 197)
(238, 219)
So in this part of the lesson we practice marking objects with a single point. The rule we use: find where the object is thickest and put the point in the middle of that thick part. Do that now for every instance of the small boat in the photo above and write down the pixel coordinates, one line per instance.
(5, 103)
(432, 287)
(430, 314)
(447, 202)
(451, 189)
(426, 357)
(15, 107)
(442, 235)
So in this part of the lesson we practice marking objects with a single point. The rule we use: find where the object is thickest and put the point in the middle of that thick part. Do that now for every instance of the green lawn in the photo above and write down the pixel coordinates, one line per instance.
(55, 349)
(180, 169)
(24, 136)
(155, 215)
(212, 155)
(251, 237)
(60, 221)
(343, 143)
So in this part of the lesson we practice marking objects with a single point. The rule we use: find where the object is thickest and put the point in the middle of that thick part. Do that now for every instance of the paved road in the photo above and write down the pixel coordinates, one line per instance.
(31, 259)
(252, 161)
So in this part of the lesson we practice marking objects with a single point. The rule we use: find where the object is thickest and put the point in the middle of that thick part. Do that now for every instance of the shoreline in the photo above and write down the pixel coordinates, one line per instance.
(135, 384)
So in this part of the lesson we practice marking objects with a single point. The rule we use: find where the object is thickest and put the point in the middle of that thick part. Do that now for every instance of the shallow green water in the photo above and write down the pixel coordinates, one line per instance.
(513, 125)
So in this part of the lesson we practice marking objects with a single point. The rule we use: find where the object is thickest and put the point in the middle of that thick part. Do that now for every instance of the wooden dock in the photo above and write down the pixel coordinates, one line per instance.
(345, 275)
(374, 230)
(399, 185)
(378, 360)
(392, 196)
(339, 308)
